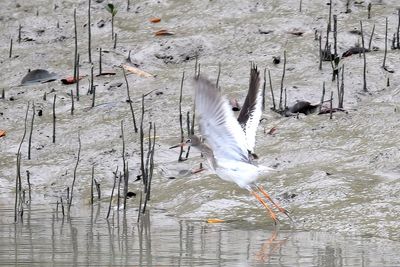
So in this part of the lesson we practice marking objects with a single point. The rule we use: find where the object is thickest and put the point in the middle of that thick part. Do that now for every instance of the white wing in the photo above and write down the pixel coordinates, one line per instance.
(250, 114)
(218, 125)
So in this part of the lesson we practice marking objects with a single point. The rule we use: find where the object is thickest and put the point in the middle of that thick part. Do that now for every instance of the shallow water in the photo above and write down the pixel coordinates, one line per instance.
(46, 238)
(339, 178)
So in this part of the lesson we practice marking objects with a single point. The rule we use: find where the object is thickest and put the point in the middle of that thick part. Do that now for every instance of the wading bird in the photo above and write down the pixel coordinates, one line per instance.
(229, 142)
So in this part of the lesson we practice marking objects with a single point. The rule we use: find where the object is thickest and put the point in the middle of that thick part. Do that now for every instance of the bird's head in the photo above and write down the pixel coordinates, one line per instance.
(193, 140)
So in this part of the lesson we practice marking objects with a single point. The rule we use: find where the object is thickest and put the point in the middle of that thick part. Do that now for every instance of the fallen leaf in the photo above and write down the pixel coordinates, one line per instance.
(163, 33)
(155, 20)
(137, 71)
(215, 221)
(2, 133)
(296, 33)
(71, 80)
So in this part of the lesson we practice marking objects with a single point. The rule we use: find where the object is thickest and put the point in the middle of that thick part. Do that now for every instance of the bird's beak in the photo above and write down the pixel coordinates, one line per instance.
(178, 145)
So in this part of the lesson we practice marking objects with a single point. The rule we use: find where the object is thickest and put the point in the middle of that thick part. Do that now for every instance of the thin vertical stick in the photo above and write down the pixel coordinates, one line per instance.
(130, 101)
(140, 206)
(348, 10)
(365, 60)
(100, 55)
(3, 94)
(124, 164)
(369, 10)
(188, 132)
(180, 116)
(335, 35)
(322, 97)
(331, 109)
(91, 186)
(328, 28)
(54, 118)
(77, 78)
(18, 178)
(386, 32)
(300, 6)
(283, 77)
(89, 33)
(76, 46)
(97, 189)
(72, 102)
(11, 46)
(91, 79)
(28, 179)
(144, 178)
(219, 74)
(19, 33)
(30, 133)
(115, 40)
(320, 52)
(62, 206)
(112, 192)
(94, 96)
(75, 169)
(398, 30)
(127, 5)
(341, 97)
(272, 90)
(119, 190)
(263, 89)
(370, 39)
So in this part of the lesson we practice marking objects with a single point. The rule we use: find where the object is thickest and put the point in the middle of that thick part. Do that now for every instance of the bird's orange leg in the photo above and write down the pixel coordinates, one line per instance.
(267, 196)
(271, 213)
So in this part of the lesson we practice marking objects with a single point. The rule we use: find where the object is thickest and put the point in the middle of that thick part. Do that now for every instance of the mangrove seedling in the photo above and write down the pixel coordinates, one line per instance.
(113, 11)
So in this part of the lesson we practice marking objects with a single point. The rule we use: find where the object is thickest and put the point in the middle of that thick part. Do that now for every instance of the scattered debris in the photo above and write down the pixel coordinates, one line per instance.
(155, 20)
(71, 79)
(215, 221)
(137, 71)
(265, 31)
(163, 33)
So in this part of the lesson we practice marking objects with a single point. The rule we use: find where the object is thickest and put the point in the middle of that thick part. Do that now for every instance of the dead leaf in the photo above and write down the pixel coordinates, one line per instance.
(155, 20)
(107, 73)
(215, 220)
(71, 79)
(137, 71)
(2, 133)
(296, 33)
(163, 33)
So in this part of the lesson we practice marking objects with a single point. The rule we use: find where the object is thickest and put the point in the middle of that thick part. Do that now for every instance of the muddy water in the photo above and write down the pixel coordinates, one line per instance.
(339, 178)
(46, 238)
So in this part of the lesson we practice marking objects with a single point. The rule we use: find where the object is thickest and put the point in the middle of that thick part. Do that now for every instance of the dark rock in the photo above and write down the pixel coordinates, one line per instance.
(38, 76)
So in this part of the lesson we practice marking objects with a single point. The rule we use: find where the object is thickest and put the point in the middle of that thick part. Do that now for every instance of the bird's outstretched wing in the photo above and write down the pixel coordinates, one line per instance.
(250, 114)
(218, 125)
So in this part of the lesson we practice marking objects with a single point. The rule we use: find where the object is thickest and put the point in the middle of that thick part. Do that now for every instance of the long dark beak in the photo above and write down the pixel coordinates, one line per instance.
(178, 145)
